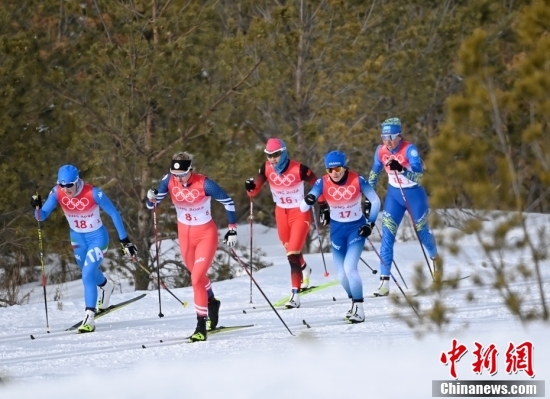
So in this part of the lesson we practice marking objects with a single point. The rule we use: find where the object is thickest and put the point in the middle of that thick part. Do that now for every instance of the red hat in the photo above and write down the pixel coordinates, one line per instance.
(274, 145)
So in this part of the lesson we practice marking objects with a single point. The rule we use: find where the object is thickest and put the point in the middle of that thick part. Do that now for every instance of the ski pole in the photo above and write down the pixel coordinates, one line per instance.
(251, 248)
(244, 265)
(41, 251)
(395, 264)
(373, 271)
(414, 224)
(394, 280)
(157, 253)
(320, 242)
(184, 303)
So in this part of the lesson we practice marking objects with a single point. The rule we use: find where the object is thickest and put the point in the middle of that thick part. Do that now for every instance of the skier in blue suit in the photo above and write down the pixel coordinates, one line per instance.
(343, 190)
(81, 203)
(401, 161)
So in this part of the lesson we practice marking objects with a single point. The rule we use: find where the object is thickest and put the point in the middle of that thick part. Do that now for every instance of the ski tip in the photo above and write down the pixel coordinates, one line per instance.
(32, 336)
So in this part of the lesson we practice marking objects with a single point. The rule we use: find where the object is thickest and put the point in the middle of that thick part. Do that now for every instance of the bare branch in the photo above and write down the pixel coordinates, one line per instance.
(103, 22)
(204, 116)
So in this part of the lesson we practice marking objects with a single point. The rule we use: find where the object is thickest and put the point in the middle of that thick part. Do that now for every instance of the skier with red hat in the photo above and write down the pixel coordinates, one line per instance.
(285, 177)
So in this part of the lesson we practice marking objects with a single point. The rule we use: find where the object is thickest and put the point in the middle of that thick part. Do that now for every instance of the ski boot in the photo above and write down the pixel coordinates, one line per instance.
(104, 298)
(306, 272)
(200, 332)
(294, 301)
(213, 313)
(384, 288)
(358, 313)
(88, 324)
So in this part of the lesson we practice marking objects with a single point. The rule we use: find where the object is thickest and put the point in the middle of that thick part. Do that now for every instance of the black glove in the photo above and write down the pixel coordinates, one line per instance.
(395, 165)
(36, 201)
(324, 214)
(365, 230)
(128, 248)
(366, 208)
(310, 199)
(230, 238)
(250, 185)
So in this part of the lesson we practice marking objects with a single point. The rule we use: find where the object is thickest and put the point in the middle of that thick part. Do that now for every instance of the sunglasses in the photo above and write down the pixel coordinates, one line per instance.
(386, 137)
(275, 154)
(176, 175)
(337, 169)
(67, 185)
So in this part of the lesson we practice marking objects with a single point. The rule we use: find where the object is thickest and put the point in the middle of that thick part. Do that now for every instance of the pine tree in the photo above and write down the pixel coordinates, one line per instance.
(489, 154)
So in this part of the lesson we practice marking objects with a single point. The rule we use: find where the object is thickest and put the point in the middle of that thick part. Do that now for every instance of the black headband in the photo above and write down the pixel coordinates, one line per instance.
(180, 165)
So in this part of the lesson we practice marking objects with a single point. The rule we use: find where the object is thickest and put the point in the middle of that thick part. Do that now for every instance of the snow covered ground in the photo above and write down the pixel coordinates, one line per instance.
(381, 358)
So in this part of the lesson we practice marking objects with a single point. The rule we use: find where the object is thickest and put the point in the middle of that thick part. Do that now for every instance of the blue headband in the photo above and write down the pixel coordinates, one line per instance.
(391, 129)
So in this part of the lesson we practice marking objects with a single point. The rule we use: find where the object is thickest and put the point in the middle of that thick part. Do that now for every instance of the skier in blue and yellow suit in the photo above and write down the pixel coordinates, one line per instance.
(402, 162)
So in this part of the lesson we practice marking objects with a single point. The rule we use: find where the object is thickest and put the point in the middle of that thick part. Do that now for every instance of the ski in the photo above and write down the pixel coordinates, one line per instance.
(333, 322)
(222, 329)
(306, 291)
(110, 309)
(305, 323)
(185, 340)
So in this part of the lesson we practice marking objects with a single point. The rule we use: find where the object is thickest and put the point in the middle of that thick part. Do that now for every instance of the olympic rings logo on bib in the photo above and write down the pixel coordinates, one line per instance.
(75, 203)
(285, 180)
(342, 192)
(398, 157)
(185, 194)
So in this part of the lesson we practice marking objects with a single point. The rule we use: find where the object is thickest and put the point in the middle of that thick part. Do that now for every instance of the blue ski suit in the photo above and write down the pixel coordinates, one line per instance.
(346, 217)
(89, 237)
